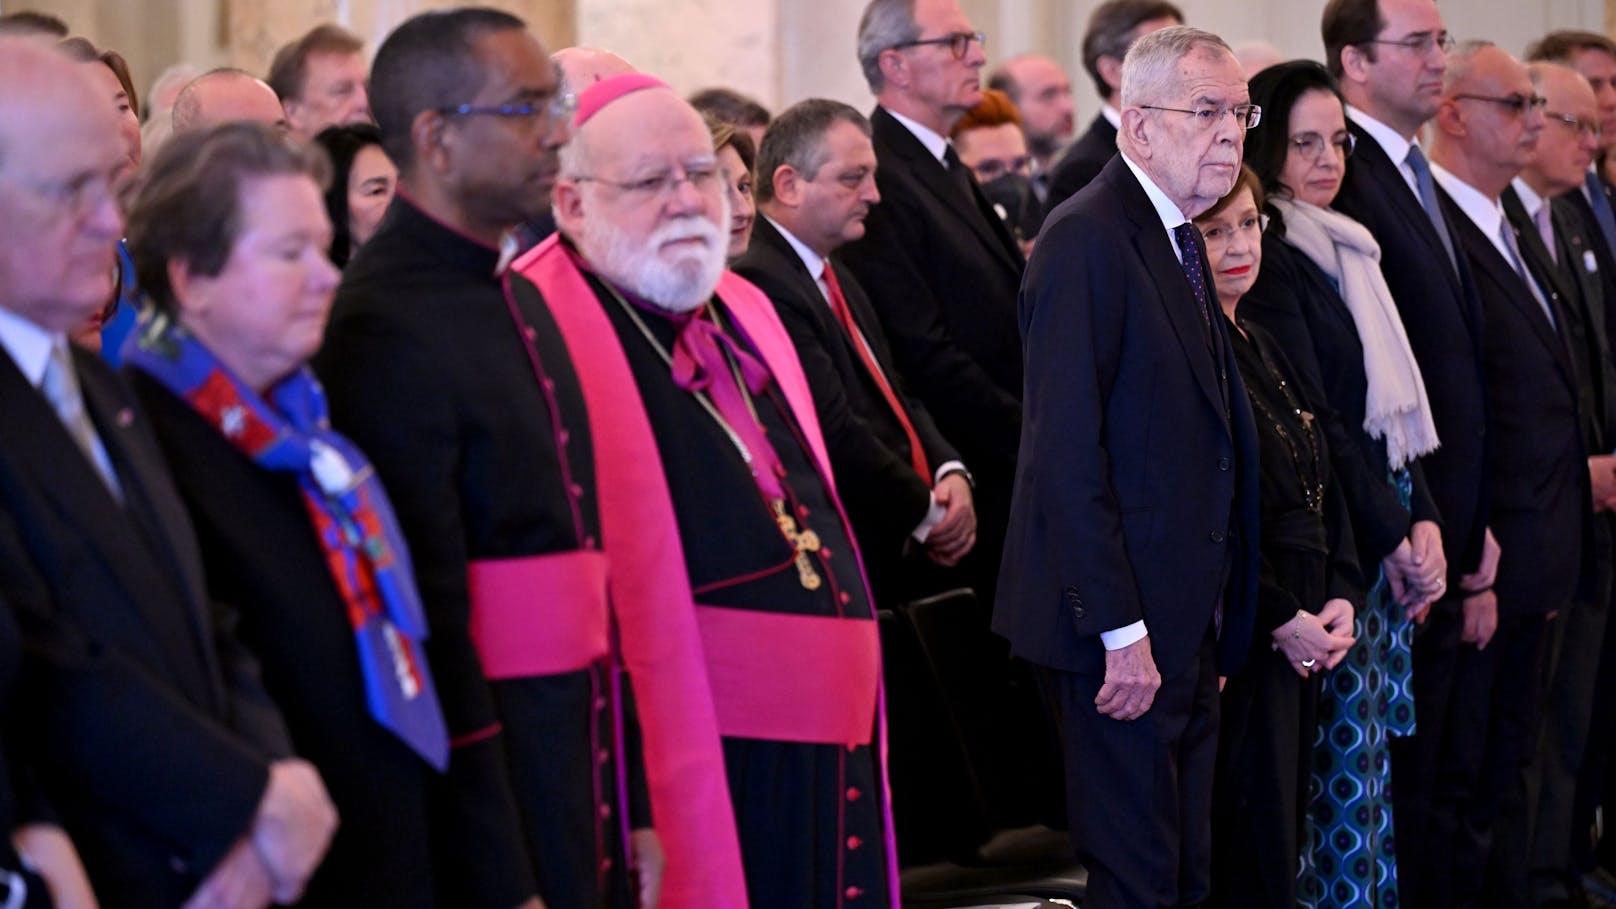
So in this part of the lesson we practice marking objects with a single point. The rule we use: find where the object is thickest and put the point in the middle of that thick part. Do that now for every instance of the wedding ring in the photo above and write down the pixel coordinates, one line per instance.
(1309, 664)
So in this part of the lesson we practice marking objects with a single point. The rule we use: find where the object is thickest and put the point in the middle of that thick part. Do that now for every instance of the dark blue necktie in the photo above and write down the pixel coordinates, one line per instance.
(1190, 255)
(1600, 203)
(1427, 192)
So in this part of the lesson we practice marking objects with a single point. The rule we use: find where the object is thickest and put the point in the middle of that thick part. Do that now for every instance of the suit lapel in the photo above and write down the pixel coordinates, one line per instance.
(1167, 273)
(1494, 268)
(1387, 177)
(1538, 259)
(931, 173)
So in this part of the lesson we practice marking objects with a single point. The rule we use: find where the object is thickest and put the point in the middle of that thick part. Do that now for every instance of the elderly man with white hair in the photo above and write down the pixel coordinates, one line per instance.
(709, 454)
(1130, 566)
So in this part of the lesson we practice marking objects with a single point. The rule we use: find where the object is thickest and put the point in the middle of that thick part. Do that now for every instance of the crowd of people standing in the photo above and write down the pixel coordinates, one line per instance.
(473, 476)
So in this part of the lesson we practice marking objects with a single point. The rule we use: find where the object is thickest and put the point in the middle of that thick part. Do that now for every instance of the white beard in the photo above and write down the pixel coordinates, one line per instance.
(675, 282)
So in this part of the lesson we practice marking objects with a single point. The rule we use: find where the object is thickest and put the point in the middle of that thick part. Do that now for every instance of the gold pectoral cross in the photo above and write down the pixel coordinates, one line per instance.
(803, 541)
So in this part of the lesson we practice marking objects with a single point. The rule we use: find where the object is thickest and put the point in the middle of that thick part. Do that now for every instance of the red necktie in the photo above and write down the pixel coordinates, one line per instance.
(838, 305)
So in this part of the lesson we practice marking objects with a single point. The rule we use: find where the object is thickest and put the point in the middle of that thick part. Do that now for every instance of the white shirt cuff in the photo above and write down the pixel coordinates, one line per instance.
(1118, 638)
(946, 468)
(934, 516)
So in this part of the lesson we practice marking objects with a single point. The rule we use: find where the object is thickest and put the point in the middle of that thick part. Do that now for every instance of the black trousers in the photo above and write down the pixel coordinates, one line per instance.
(1139, 793)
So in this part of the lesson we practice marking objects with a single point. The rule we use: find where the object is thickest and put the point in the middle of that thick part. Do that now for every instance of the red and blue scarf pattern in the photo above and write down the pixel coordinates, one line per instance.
(289, 431)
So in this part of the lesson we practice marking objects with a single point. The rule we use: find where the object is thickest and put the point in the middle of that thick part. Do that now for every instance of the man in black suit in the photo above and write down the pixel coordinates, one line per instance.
(939, 264)
(156, 744)
(1389, 57)
(1113, 27)
(1558, 244)
(1131, 558)
(903, 484)
(1486, 130)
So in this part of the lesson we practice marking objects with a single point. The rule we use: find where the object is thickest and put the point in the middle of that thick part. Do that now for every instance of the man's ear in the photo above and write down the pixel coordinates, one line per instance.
(894, 68)
(567, 203)
(433, 141)
(1450, 120)
(1134, 129)
(1355, 64)
(294, 110)
(185, 285)
(787, 185)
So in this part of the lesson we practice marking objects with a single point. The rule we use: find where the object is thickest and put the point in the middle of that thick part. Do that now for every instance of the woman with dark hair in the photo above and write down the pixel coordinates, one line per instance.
(737, 158)
(229, 236)
(108, 329)
(1309, 586)
(1323, 298)
(362, 185)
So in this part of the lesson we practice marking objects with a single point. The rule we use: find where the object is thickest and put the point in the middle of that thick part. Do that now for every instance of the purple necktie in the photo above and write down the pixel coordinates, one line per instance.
(1190, 256)
(699, 365)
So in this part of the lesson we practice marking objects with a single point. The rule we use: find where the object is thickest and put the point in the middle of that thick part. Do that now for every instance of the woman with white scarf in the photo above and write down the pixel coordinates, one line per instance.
(1321, 294)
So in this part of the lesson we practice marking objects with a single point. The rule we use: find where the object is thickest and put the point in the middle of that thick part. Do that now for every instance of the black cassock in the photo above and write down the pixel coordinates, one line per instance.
(808, 815)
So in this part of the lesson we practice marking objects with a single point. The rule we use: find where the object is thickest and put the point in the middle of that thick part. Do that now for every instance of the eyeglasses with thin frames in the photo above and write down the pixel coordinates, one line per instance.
(1313, 145)
(558, 106)
(1219, 237)
(703, 177)
(958, 43)
(1421, 44)
(1588, 129)
(1247, 115)
(1517, 103)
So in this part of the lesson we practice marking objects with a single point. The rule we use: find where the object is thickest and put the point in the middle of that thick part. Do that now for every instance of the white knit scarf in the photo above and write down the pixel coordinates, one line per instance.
(1396, 408)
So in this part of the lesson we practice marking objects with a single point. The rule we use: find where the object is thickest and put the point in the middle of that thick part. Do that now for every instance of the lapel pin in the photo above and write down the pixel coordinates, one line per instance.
(126, 417)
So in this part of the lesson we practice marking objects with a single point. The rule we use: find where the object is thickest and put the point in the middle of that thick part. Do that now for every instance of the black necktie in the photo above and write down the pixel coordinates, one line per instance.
(960, 174)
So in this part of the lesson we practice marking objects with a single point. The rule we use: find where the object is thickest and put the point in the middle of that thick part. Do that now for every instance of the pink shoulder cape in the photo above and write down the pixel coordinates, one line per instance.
(650, 592)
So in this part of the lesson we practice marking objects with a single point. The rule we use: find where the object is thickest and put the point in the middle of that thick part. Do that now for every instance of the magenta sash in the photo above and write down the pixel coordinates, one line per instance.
(650, 598)
(792, 678)
(515, 621)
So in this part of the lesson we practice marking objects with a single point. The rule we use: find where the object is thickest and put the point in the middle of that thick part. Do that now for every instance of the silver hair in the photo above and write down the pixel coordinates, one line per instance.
(1460, 61)
(1150, 71)
(884, 25)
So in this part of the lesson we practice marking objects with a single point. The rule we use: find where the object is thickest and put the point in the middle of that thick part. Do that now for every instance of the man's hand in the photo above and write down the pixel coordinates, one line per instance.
(1487, 571)
(1602, 471)
(1480, 619)
(239, 881)
(1395, 567)
(649, 863)
(293, 826)
(955, 534)
(53, 857)
(1131, 682)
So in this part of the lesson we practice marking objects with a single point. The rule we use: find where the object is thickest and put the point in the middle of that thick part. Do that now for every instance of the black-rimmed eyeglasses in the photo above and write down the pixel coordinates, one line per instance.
(959, 43)
(1247, 115)
(1517, 103)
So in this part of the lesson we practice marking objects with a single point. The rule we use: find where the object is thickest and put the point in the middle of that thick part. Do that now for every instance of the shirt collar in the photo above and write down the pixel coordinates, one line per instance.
(28, 344)
(1486, 213)
(814, 262)
(1530, 200)
(1166, 209)
(934, 142)
(1395, 146)
(1112, 116)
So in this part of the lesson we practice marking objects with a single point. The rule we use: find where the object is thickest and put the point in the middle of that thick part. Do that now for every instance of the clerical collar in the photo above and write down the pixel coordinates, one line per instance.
(463, 252)
(934, 141)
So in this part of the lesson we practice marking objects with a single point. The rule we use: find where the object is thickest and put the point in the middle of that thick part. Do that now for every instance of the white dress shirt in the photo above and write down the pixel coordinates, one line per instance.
(28, 345)
(1393, 144)
(935, 142)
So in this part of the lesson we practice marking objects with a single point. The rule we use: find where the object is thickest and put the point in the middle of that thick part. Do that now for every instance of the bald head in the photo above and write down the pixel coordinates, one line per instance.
(225, 96)
(1042, 93)
(1570, 134)
(59, 155)
(582, 67)
(640, 194)
(1486, 129)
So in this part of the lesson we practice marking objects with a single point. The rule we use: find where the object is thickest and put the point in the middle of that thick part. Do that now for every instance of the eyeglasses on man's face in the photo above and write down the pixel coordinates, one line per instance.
(1516, 103)
(1313, 145)
(1207, 117)
(556, 106)
(1421, 44)
(1585, 129)
(958, 43)
(704, 177)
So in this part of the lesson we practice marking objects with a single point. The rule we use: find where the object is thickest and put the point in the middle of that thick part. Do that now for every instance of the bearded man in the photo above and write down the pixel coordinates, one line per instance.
(708, 452)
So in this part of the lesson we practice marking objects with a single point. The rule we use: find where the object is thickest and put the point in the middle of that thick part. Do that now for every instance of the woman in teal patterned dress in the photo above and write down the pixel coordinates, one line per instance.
(1322, 295)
